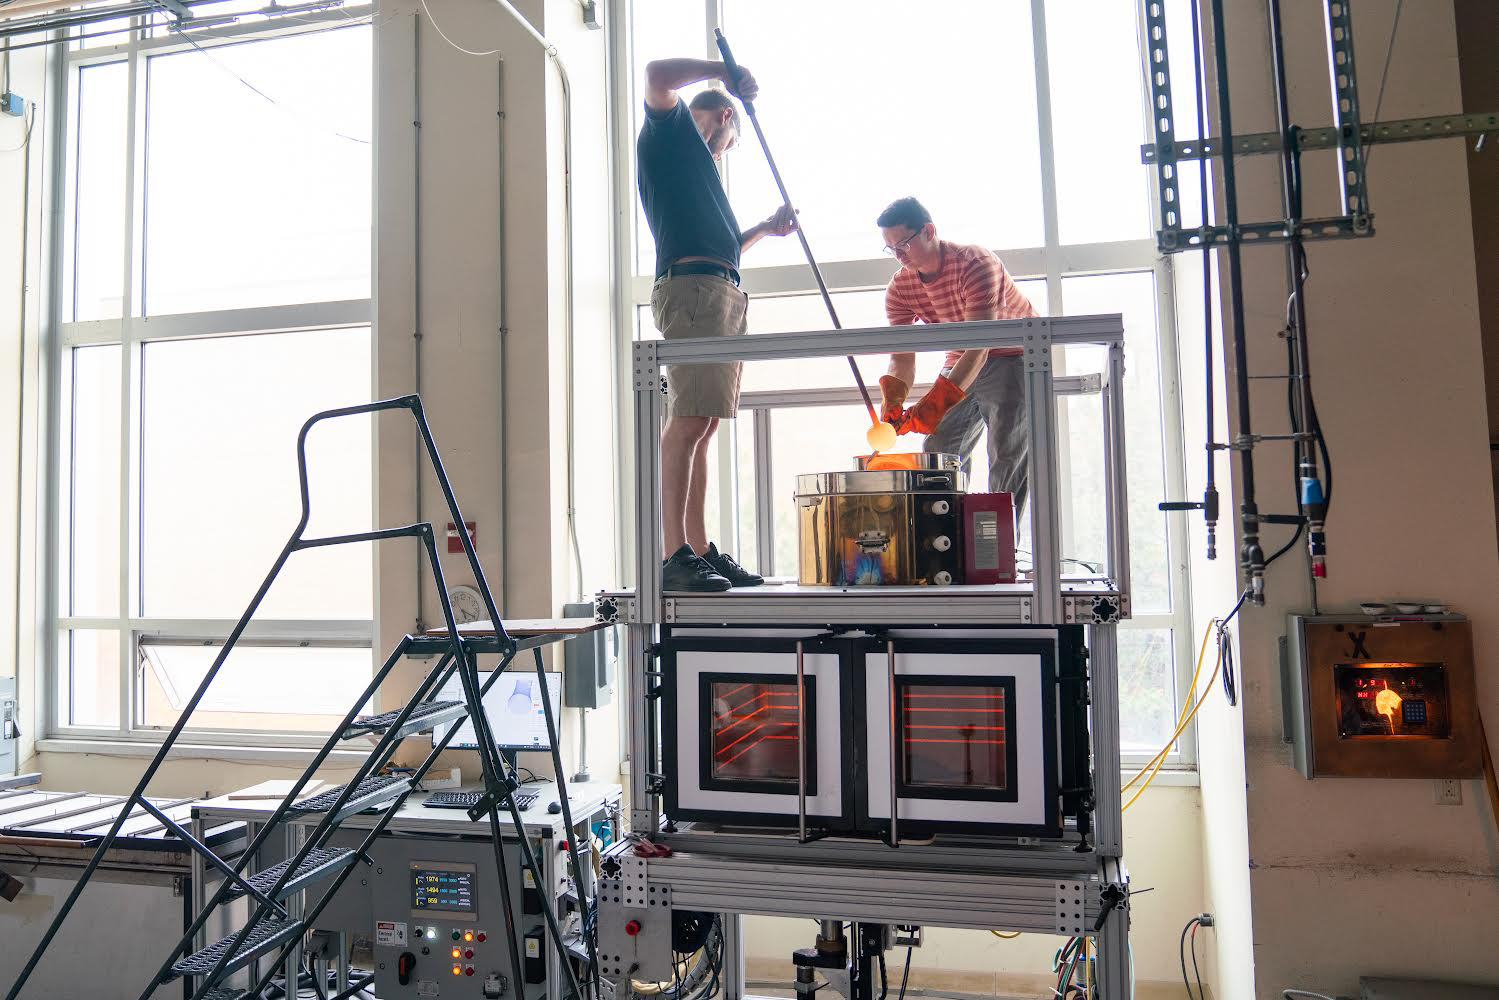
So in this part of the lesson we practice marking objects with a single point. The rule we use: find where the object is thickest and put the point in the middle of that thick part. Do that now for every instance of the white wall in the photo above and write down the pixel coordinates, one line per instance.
(469, 396)
(23, 195)
(1359, 877)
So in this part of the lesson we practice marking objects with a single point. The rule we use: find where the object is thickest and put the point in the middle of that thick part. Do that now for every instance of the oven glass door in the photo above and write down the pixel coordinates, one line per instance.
(962, 734)
(739, 742)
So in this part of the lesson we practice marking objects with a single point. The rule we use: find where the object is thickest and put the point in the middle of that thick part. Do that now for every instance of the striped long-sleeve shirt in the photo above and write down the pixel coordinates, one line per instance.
(972, 281)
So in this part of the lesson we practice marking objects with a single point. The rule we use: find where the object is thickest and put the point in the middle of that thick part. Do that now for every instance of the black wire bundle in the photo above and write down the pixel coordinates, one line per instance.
(1181, 954)
(704, 979)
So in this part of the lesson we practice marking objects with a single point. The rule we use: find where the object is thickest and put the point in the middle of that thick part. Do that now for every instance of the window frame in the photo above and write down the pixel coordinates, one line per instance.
(1052, 262)
(132, 333)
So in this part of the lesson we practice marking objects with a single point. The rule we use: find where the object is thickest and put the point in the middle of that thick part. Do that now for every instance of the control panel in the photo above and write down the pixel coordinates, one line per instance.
(439, 924)
(1380, 696)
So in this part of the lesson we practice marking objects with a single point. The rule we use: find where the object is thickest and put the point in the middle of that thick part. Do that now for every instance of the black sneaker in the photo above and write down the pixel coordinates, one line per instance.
(725, 566)
(688, 571)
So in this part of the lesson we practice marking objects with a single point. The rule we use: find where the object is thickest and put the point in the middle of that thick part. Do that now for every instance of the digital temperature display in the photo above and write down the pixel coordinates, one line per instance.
(442, 889)
(1385, 700)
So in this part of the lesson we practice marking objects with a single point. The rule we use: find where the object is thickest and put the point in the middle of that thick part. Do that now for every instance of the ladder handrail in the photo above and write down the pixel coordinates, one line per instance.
(296, 542)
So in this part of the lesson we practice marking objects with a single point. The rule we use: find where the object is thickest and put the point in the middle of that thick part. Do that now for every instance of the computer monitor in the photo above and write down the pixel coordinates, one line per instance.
(517, 716)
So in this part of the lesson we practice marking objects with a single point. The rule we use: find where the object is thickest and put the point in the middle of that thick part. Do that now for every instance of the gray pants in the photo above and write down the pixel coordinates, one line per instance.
(996, 403)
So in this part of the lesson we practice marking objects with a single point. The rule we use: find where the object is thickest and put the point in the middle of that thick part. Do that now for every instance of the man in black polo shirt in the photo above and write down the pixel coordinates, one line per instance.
(698, 243)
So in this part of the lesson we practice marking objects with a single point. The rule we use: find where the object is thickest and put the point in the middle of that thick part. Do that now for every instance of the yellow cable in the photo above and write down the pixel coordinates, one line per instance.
(1010, 936)
(1161, 757)
(1186, 704)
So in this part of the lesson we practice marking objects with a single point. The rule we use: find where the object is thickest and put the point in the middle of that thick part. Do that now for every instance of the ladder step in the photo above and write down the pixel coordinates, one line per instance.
(421, 720)
(319, 864)
(371, 792)
(268, 935)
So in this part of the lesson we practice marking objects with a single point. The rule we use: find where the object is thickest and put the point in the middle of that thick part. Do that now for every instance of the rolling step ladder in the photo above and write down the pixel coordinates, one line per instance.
(285, 899)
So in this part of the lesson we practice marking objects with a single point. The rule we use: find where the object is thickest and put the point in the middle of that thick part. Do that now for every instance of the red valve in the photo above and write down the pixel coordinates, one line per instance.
(632, 928)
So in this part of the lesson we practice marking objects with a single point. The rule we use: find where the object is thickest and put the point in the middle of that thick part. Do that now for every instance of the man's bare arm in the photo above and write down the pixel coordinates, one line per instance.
(664, 77)
(780, 223)
(966, 368)
(903, 367)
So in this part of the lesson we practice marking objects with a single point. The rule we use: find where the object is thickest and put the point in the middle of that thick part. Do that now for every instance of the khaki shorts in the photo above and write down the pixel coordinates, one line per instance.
(700, 305)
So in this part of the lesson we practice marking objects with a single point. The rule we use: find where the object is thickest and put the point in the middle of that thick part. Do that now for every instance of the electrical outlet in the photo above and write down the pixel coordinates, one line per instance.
(1449, 792)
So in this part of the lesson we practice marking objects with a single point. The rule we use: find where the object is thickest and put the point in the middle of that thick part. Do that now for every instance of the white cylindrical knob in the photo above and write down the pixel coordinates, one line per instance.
(940, 507)
(941, 543)
(942, 578)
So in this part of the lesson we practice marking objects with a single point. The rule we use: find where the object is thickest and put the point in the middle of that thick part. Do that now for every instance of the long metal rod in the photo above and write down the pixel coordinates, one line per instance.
(416, 298)
(503, 335)
(1251, 556)
(580, 880)
(822, 286)
(1210, 490)
(801, 745)
(894, 755)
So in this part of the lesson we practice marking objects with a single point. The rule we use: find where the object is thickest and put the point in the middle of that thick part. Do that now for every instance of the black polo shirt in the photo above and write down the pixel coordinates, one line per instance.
(681, 193)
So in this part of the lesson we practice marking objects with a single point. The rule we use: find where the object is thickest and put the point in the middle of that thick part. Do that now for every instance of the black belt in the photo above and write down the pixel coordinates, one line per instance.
(703, 267)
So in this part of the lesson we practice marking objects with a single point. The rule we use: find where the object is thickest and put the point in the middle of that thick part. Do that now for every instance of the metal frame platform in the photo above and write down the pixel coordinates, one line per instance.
(1040, 886)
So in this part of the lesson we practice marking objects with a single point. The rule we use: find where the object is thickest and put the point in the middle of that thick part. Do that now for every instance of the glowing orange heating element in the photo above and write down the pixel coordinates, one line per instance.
(1387, 703)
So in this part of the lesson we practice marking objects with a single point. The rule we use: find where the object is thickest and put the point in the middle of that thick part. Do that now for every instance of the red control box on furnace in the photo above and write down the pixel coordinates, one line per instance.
(988, 538)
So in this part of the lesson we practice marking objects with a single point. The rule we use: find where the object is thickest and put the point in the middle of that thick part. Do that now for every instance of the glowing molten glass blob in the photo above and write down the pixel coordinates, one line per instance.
(881, 436)
(1387, 703)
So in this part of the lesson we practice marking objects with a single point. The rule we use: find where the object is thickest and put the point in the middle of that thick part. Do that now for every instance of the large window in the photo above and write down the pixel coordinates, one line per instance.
(1019, 124)
(213, 292)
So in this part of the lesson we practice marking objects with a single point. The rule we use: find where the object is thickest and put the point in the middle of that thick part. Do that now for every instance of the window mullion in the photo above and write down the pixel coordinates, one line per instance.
(1048, 157)
(135, 95)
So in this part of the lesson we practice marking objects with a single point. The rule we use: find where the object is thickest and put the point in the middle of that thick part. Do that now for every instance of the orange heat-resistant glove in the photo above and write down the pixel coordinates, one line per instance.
(924, 417)
(892, 399)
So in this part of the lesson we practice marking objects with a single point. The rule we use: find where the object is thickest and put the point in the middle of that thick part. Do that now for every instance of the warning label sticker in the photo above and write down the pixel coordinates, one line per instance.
(390, 933)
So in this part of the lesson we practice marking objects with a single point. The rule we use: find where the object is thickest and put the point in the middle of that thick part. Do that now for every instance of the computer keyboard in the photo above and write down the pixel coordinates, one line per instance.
(467, 800)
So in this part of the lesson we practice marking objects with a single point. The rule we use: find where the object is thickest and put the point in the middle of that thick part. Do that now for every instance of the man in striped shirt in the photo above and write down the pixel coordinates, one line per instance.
(978, 390)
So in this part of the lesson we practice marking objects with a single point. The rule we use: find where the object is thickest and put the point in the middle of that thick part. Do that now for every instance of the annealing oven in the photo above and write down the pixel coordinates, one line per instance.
(973, 731)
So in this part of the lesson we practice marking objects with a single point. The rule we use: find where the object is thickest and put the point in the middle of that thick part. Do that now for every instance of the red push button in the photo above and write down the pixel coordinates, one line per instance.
(468, 970)
(632, 928)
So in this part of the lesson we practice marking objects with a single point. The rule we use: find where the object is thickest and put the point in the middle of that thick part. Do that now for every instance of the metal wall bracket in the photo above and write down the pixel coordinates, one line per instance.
(647, 371)
(1158, 68)
(634, 880)
(1094, 609)
(1071, 909)
(1038, 347)
(1396, 130)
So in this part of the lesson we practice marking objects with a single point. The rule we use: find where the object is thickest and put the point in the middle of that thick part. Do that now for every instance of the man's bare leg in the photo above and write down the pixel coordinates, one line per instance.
(696, 520)
(680, 440)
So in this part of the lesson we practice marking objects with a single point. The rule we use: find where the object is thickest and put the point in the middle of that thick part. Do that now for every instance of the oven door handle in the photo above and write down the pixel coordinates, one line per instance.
(894, 784)
(801, 746)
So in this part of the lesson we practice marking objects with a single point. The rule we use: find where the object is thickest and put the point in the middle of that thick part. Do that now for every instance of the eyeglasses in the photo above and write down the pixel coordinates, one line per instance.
(894, 248)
